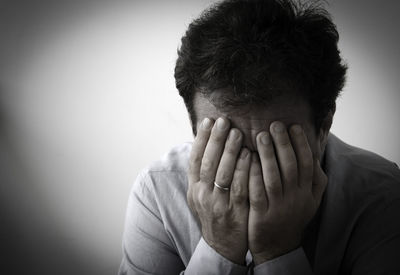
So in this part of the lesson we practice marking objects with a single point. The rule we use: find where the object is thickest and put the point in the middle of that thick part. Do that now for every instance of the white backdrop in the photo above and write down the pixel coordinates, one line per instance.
(87, 99)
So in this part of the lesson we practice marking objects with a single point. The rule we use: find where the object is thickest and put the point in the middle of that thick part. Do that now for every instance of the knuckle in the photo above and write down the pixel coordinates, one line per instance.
(206, 168)
(273, 177)
(291, 178)
(241, 168)
(291, 164)
(258, 197)
(223, 177)
(255, 171)
(240, 197)
(306, 165)
(257, 204)
(191, 172)
(291, 167)
(278, 215)
(202, 196)
(204, 174)
(283, 141)
(238, 192)
(195, 159)
(207, 164)
(231, 149)
(218, 209)
(218, 137)
(274, 188)
(195, 205)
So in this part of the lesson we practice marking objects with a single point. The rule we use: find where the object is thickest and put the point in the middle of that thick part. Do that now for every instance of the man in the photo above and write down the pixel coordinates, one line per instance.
(265, 188)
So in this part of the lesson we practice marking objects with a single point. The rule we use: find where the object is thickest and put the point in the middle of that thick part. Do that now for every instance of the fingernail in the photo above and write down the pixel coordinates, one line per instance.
(296, 129)
(222, 124)
(265, 139)
(244, 153)
(278, 127)
(206, 124)
(233, 135)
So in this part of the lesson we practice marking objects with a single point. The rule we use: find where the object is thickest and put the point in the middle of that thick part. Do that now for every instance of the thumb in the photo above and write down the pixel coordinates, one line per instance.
(190, 202)
(320, 180)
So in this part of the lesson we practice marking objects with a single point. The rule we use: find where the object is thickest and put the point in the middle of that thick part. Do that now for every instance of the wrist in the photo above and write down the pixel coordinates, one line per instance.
(271, 254)
(233, 256)
(228, 252)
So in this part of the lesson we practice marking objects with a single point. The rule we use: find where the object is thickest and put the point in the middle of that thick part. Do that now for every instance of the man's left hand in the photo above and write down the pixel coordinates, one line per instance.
(285, 189)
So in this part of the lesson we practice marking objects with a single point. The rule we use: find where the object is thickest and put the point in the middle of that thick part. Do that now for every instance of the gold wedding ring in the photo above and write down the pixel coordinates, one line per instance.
(220, 187)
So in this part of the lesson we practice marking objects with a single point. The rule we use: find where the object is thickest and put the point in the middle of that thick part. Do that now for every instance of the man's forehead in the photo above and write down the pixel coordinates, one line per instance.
(259, 124)
(289, 111)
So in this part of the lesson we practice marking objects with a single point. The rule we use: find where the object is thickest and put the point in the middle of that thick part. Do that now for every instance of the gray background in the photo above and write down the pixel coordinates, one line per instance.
(87, 99)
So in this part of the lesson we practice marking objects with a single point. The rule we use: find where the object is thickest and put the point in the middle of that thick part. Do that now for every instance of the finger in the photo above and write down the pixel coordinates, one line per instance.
(199, 145)
(227, 163)
(239, 189)
(270, 168)
(319, 183)
(317, 152)
(257, 196)
(304, 156)
(285, 154)
(213, 151)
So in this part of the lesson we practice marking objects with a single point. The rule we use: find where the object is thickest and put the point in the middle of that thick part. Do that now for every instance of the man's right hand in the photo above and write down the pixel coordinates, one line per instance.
(217, 157)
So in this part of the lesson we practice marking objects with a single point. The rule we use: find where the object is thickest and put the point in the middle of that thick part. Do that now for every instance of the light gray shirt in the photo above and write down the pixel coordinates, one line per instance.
(355, 231)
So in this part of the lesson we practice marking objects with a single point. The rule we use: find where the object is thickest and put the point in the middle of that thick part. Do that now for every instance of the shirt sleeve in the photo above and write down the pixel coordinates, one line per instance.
(205, 260)
(147, 248)
(294, 262)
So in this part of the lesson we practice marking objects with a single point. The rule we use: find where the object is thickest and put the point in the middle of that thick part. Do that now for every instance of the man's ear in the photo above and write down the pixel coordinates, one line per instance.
(324, 130)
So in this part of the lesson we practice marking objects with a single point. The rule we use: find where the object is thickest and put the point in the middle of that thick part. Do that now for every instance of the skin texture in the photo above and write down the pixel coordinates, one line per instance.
(269, 158)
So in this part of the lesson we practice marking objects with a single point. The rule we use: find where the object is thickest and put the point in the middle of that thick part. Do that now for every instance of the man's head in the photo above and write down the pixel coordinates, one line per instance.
(241, 56)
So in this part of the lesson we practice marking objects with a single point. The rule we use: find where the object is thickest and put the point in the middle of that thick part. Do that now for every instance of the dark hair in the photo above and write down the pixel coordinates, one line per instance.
(261, 50)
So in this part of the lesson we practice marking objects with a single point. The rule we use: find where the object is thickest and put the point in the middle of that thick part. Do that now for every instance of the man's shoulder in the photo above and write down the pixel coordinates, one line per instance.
(359, 205)
(158, 198)
(344, 158)
(357, 170)
(175, 160)
(167, 174)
